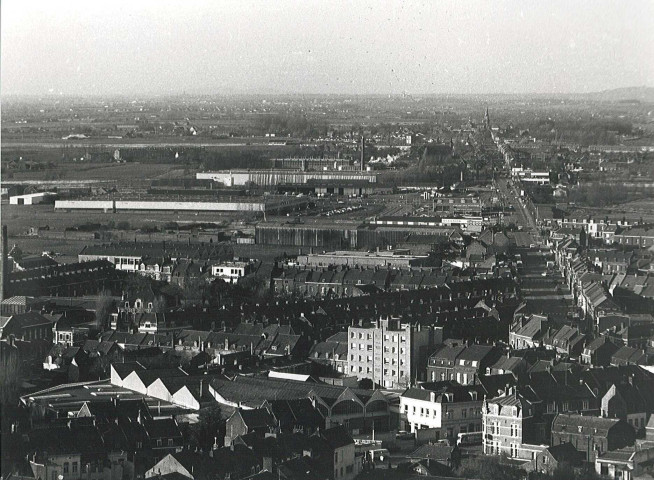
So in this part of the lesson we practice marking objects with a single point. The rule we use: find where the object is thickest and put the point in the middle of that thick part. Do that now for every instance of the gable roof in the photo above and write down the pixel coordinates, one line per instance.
(337, 437)
(584, 424)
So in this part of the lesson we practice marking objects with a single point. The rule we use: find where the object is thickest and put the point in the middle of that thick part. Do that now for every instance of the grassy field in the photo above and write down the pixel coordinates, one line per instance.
(105, 172)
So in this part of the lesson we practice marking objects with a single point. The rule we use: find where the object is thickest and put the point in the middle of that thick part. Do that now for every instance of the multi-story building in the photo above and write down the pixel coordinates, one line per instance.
(458, 206)
(511, 426)
(447, 406)
(463, 363)
(230, 271)
(388, 352)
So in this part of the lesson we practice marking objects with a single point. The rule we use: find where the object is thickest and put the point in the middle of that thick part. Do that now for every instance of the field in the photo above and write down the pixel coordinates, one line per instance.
(101, 172)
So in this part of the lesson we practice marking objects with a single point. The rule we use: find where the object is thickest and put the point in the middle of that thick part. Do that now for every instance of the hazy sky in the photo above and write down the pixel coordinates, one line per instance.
(279, 46)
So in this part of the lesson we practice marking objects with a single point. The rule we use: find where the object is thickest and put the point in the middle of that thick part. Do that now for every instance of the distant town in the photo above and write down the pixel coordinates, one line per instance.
(328, 287)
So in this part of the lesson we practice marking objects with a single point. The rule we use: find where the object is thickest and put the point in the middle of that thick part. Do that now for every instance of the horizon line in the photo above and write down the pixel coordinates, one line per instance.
(312, 94)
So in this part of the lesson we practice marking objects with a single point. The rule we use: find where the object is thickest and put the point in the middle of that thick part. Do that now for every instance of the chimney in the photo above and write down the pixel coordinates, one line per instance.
(363, 152)
(5, 263)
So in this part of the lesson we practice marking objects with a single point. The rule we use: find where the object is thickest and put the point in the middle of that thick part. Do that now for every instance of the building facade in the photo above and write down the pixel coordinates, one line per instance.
(387, 352)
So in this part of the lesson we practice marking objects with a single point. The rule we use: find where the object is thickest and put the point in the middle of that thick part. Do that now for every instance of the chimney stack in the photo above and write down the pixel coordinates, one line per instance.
(5, 263)
(363, 153)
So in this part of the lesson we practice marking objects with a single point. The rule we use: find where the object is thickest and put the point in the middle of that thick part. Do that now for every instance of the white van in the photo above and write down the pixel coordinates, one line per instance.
(379, 455)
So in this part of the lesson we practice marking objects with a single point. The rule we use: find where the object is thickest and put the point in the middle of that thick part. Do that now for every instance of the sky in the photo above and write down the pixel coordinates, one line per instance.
(336, 47)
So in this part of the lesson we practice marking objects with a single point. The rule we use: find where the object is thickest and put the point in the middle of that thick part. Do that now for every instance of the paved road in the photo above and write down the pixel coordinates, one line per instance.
(510, 193)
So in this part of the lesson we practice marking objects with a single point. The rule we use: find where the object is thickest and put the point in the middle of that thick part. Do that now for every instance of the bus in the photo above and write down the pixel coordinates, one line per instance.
(471, 438)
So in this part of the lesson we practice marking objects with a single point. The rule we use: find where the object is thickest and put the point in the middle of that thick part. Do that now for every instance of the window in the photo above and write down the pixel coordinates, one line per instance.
(464, 413)
(74, 467)
(514, 430)
(65, 467)
(158, 442)
(170, 442)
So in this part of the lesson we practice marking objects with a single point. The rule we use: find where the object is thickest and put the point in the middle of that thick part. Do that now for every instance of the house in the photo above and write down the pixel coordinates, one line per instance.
(592, 435)
(598, 352)
(75, 449)
(626, 402)
(426, 467)
(346, 466)
(629, 356)
(230, 272)
(332, 351)
(26, 326)
(438, 452)
(19, 304)
(551, 458)
(447, 408)
(242, 422)
(625, 464)
(508, 364)
(295, 415)
(473, 361)
(66, 333)
(512, 426)
(441, 363)
(164, 434)
(527, 331)
(221, 463)
(567, 341)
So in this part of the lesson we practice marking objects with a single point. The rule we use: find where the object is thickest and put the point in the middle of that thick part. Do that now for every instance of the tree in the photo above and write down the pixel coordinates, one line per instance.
(11, 374)
(159, 304)
(194, 290)
(104, 305)
(209, 429)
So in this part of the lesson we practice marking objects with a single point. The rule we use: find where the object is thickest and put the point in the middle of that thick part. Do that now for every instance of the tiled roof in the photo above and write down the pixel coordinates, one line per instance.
(337, 437)
(584, 424)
